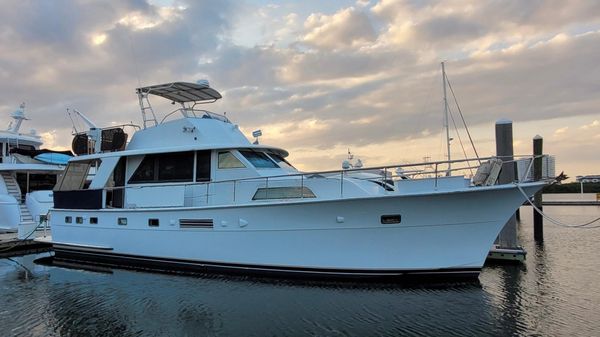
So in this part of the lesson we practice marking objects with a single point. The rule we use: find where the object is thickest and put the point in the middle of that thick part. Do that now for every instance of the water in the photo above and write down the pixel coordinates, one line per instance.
(556, 293)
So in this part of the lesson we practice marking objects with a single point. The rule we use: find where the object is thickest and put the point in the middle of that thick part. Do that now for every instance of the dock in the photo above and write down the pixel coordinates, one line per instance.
(11, 246)
(571, 203)
(571, 199)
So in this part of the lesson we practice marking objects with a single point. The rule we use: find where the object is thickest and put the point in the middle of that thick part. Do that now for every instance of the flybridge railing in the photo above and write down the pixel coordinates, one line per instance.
(197, 113)
(333, 184)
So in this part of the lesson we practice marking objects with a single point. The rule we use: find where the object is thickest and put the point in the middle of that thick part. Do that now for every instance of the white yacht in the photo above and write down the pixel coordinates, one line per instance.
(27, 175)
(192, 192)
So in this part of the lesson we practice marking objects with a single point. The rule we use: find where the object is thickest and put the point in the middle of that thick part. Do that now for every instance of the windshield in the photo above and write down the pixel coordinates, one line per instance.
(281, 161)
(259, 159)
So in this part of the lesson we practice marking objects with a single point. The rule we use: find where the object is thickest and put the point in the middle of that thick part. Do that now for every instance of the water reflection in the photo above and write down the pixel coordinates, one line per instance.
(555, 293)
(129, 303)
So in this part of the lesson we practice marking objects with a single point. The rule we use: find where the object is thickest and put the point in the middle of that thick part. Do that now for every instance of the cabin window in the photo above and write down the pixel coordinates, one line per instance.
(74, 176)
(79, 220)
(165, 167)
(281, 161)
(283, 193)
(178, 166)
(153, 222)
(21, 147)
(122, 221)
(68, 219)
(203, 165)
(258, 159)
(93, 220)
(228, 160)
(145, 172)
(37, 182)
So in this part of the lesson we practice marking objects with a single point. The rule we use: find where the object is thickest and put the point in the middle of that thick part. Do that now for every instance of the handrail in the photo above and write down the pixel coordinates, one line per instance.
(332, 173)
(379, 175)
(210, 114)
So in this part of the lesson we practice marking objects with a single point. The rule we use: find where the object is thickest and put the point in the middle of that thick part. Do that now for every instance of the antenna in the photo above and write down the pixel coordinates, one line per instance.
(256, 134)
(19, 117)
(72, 121)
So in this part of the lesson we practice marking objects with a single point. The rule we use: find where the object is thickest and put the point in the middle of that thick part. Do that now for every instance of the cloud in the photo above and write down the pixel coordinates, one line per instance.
(592, 125)
(346, 28)
(316, 79)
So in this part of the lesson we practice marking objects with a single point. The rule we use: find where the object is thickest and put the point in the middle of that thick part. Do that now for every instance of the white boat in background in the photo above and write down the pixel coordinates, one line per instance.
(194, 193)
(27, 175)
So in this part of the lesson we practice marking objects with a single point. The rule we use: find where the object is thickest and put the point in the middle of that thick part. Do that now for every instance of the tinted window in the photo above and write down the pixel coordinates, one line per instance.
(178, 166)
(283, 193)
(259, 159)
(73, 177)
(203, 166)
(164, 167)
(280, 160)
(228, 160)
(144, 172)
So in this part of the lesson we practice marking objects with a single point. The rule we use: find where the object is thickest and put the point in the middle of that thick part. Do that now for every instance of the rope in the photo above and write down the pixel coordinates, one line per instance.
(21, 241)
(460, 141)
(462, 117)
(554, 221)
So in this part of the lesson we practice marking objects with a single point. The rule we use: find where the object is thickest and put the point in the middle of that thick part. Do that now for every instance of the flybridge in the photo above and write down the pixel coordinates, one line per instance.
(187, 94)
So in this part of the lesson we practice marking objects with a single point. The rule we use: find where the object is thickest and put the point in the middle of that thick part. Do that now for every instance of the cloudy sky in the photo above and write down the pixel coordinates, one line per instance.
(319, 77)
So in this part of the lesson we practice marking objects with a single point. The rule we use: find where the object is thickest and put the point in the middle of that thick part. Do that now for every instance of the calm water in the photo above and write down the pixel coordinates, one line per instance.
(556, 293)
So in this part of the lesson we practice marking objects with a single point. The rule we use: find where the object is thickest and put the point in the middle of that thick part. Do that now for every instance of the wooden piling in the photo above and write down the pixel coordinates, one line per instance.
(538, 220)
(504, 150)
(506, 248)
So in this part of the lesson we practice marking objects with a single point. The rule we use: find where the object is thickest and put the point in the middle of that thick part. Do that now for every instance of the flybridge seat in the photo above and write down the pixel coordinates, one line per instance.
(183, 92)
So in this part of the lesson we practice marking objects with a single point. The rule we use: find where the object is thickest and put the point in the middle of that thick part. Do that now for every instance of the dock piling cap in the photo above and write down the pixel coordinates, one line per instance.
(503, 121)
(537, 137)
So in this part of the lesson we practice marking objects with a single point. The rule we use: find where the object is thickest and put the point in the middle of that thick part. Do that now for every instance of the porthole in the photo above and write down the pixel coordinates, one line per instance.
(153, 222)
(79, 220)
(68, 219)
(93, 220)
(122, 221)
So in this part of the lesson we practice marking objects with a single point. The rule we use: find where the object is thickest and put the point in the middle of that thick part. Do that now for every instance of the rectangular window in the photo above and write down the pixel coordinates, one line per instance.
(165, 167)
(283, 193)
(122, 221)
(37, 182)
(93, 220)
(391, 219)
(228, 160)
(259, 159)
(68, 219)
(73, 177)
(203, 165)
(79, 220)
(177, 166)
(153, 222)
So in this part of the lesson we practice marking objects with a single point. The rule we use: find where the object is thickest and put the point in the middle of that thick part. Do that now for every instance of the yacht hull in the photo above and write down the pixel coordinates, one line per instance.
(441, 233)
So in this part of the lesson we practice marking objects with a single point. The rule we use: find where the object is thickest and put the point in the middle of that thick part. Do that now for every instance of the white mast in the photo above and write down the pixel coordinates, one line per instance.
(446, 125)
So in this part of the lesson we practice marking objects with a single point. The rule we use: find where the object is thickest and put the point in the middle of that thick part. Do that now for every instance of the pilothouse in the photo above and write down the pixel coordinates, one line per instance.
(194, 193)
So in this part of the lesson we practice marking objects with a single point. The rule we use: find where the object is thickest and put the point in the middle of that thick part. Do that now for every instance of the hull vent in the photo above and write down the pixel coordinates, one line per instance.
(195, 223)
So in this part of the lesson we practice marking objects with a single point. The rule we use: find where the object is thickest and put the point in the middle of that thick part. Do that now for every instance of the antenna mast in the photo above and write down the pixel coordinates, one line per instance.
(446, 125)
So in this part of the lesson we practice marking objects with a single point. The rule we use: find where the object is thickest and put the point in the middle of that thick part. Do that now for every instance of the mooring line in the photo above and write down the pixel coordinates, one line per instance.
(554, 221)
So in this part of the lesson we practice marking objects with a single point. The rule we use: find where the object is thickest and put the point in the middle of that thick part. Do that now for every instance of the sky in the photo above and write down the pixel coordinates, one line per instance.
(320, 77)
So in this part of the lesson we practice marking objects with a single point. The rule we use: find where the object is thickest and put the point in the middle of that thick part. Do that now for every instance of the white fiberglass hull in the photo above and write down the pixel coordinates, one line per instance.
(439, 232)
